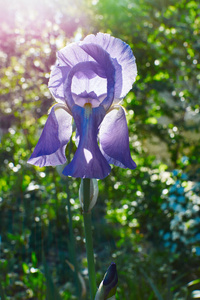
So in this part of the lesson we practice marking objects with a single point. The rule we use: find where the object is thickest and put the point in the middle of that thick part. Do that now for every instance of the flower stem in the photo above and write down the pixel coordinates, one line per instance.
(88, 237)
(72, 245)
(73, 248)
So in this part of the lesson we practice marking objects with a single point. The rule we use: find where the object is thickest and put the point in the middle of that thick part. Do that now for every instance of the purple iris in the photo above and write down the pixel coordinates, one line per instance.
(88, 83)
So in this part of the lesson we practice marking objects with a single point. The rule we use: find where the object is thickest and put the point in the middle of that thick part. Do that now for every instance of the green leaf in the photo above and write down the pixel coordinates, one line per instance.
(151, 121)
(34, 259)
(25, 268)
(193, 282)
(51, 289)
(2, 294)
(154, 288)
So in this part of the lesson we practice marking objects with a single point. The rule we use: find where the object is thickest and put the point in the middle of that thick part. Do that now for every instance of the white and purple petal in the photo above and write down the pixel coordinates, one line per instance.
(88, 70)
(123, 57)
(104, 60)
(56, 81)
(85, 97)
(114, 139)
(50, 149)
(72, 55)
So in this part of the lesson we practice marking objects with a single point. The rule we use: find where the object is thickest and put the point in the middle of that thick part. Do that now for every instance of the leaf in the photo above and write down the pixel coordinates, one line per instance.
(51, 289)
(2, 294)
(81, 279)
(34, 259)
(151, 120)
(193, 282)
(154, 288)
(25, 268)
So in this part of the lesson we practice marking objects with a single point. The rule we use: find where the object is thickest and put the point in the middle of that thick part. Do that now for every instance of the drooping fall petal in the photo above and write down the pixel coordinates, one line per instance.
(88, 161)
(114, 139)
(50, 149)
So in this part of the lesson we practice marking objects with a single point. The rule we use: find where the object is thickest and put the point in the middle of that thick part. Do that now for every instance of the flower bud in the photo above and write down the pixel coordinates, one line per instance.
(108, 286)
(94, 191)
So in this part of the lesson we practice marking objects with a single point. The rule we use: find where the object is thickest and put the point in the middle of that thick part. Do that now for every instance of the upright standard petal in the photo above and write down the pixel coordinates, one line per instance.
(114, 139)
(67, 58)
(56, 81)
(90, 69)
(71, 55)
(50, 149)
(88, 161)
(126, 69)
(104, 60)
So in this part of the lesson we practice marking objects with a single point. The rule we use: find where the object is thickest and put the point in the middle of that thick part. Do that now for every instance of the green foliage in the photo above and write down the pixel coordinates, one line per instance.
(146, 220)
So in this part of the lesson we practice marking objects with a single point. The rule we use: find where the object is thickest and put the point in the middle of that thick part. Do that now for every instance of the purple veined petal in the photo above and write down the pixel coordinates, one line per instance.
(50, 149)
(57, 77)
(115, 74)
(114, 139)
(89, 69)
(71, 55)
(104, 60)
(67, 57)
(88, 161)
(122, 53)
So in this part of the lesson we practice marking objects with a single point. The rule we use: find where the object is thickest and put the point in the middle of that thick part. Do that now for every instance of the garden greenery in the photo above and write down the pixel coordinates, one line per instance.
(145, 220)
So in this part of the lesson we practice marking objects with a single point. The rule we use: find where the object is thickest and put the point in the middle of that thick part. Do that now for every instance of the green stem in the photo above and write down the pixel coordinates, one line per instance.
(73, 247)
(88, 237)
(71, 233)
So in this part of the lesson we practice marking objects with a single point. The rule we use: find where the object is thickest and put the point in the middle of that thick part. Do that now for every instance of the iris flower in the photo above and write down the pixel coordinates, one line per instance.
(88, 83)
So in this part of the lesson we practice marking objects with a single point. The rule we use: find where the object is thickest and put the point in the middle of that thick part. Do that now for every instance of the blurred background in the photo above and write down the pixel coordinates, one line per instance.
(147, 220)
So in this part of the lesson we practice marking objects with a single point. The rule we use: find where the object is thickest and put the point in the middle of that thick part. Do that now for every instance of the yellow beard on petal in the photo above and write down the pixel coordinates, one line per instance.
(88, 109)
